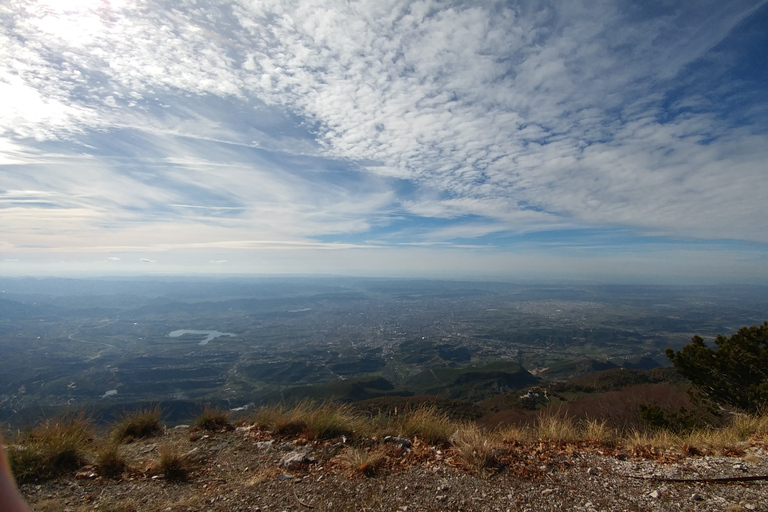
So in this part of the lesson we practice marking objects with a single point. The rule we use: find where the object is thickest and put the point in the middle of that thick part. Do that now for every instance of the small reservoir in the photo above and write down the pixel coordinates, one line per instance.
(209, 335)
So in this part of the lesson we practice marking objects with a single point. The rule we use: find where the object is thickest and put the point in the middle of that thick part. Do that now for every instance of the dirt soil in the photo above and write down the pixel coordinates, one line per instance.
(249, 470)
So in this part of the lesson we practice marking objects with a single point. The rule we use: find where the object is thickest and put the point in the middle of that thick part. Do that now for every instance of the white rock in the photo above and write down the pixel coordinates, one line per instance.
(296, 459)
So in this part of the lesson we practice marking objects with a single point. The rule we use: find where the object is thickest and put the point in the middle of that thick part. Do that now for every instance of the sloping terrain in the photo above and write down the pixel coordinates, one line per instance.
(242, 471)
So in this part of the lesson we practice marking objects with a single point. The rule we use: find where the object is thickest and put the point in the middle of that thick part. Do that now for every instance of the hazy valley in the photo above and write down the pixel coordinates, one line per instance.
(112, 343)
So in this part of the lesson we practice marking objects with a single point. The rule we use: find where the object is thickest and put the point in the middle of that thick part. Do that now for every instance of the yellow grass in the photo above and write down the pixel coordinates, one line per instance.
(556, 428)
(138, 424)
(51, 447)
(597, 431)
(426, 423)
(474, 447)
(511, 434)
(362, 461)
(316, 421)
(737, 434)
(109, 459)
(171, 464)
(213, 418)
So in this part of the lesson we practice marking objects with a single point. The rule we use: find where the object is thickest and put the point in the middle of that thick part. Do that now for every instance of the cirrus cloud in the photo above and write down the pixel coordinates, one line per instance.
(154, 124)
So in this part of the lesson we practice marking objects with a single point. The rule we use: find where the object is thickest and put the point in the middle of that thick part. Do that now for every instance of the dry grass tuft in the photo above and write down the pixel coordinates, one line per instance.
(282, 420)
(652, 442)
(733, 437)
(109, 460)
(360, 461)
(139, 424)
(474, 447)
(213, 419)
(427, 423)
(746, 427)
(514, 434)
(597, 431)
(50, 448)
(316, 421)
(171, 464)
(269, 417)
(556, 427)
(327, 421)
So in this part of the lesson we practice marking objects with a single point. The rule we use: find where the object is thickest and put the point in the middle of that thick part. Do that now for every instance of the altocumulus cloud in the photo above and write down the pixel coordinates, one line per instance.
(133, 125)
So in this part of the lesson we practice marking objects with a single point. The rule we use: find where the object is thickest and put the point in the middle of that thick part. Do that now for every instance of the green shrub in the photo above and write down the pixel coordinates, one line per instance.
(735, 373)
(655, 417)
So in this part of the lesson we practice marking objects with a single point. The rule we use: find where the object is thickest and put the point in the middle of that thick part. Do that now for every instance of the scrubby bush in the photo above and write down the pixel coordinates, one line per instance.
(674, 421)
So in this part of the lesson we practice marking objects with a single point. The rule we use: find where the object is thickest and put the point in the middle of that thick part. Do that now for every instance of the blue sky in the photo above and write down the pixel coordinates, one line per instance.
(615, 141)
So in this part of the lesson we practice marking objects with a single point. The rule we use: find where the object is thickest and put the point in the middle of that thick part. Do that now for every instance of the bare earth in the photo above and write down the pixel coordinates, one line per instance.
(240, 471)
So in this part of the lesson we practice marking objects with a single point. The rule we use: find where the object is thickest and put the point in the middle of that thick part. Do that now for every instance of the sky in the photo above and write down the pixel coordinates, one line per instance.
(621, 141)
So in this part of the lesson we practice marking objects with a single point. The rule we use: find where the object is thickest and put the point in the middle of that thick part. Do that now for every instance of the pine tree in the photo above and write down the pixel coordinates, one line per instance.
(735, 373)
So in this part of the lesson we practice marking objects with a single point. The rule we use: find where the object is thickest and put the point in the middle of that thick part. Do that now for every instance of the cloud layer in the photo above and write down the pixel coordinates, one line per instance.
(133, 125)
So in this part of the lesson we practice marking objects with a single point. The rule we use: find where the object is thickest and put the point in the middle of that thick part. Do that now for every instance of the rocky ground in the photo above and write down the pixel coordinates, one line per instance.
(248, 470)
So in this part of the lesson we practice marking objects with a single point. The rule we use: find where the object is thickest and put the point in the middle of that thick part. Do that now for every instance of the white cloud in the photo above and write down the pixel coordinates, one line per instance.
(446, 112)
(282, 123)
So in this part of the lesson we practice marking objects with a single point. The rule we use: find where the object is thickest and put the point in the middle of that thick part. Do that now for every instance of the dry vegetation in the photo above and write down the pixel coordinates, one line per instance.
(172, 464)
(51, 447)
(315, 421)
(190, 468)
(426, 423)
(213, 418)
(362, 461)
(67, 444)
(138, 425)
(109, 459)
